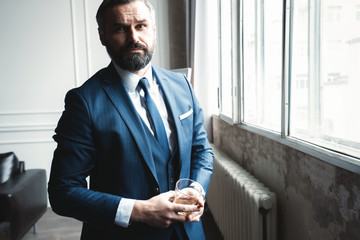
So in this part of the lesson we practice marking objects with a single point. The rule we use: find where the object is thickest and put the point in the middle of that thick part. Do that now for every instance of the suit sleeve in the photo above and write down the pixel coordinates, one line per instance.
(73, 160)
(201, 152)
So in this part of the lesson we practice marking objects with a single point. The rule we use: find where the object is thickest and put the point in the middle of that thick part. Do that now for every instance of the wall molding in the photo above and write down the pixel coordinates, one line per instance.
(30, 112)
(28, 127)
(74, 43)
(29, 141)
(28, 120)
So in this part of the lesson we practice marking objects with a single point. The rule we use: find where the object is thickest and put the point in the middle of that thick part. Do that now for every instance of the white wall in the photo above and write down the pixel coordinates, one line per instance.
(48, 47)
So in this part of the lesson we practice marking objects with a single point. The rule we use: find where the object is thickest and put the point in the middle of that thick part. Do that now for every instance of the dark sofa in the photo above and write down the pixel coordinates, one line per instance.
(23, 197)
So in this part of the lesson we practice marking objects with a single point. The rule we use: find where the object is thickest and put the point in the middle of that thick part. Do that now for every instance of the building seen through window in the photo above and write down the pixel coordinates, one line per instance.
(323, 60)
(331, 71)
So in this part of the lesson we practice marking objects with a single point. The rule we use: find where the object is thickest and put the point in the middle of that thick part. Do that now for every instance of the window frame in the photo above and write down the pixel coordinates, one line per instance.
(235, 72)
(330, 156)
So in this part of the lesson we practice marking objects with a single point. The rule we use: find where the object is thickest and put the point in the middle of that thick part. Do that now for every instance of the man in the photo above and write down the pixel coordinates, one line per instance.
(110, 132)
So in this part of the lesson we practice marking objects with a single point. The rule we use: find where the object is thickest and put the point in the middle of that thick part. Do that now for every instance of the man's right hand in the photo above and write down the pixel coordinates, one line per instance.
(160, 211)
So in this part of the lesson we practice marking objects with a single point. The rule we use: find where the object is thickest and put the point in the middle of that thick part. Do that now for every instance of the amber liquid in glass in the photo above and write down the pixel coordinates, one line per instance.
(187, 201)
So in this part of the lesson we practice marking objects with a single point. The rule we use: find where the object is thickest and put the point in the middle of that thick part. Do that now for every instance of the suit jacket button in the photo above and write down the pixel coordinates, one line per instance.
(156, 190)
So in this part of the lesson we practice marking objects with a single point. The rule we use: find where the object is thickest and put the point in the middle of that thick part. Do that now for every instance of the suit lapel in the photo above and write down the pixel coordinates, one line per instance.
(118, 95)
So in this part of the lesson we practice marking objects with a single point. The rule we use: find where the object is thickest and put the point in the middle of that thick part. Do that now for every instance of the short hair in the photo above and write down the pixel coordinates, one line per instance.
(106, 4)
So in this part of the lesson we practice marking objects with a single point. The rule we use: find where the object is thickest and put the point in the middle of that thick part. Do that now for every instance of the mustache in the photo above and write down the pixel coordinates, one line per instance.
(137, 46)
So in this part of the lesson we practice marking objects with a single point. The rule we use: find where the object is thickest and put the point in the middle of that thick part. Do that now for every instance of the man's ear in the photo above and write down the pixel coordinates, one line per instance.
(154, 26)
(102, 36)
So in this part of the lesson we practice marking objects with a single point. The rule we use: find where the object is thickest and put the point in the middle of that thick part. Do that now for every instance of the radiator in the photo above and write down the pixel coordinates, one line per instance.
(242, 207)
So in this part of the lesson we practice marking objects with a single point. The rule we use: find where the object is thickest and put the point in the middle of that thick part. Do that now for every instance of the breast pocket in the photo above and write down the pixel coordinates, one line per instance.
(186, 131)
(186, 120)
(186, 115)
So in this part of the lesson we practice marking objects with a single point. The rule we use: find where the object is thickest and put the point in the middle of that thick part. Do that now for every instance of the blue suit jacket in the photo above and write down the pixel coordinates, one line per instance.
(101, 135)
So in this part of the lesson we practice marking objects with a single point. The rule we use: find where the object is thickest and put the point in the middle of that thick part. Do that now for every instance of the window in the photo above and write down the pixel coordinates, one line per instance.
(226, 76)
(299, 72)
(331, 72)
(262, 50)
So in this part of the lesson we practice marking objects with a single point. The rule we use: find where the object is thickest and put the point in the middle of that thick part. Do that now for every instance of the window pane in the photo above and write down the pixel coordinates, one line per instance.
(262, 57)
(226, 58)
(325, 74)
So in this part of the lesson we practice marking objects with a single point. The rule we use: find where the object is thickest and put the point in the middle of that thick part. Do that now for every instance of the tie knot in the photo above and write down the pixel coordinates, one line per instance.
(143, 83)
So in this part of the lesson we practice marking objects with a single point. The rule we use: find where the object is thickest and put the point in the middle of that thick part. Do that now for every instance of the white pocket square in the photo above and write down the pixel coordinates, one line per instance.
(185, 115)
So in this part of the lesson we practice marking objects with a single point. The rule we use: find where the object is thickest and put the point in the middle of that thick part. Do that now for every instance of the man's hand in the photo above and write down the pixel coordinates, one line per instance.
(160, 211)
(195, 216)
(192, 195)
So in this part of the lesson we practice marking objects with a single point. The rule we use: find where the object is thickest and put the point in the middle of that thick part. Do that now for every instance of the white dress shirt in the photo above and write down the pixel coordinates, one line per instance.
(131, 80)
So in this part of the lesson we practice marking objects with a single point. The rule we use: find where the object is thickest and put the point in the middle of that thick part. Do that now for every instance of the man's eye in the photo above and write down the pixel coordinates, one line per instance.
(120, 29)
(140, 26)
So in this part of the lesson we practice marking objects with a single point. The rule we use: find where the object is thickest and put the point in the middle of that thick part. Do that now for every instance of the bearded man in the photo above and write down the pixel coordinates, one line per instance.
(134, 130)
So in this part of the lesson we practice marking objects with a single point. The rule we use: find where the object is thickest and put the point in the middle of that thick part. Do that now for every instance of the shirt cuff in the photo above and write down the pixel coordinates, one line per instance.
(123, 213)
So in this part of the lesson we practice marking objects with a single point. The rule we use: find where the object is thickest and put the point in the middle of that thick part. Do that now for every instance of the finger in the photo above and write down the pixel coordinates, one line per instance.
(197, 213)
(186, 208)
(172, 192)
(200, 202)
(193, 217)
(168, 194)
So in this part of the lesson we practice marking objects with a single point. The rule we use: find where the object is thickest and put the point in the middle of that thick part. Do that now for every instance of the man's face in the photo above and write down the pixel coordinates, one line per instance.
(129, 35)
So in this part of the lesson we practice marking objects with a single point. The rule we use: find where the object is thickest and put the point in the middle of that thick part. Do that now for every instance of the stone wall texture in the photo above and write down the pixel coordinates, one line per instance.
(315, 200)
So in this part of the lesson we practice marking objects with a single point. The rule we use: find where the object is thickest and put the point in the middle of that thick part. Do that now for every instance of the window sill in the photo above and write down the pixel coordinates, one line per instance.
(337, 159)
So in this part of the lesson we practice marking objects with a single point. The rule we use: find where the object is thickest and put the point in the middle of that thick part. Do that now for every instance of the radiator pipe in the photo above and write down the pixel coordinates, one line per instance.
(263, 213)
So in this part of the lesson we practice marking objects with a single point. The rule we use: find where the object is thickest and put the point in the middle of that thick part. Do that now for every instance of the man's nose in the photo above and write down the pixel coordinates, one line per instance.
(133, 35)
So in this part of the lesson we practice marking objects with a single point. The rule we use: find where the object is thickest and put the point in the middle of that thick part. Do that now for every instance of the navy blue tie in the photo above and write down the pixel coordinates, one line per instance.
(159, 133)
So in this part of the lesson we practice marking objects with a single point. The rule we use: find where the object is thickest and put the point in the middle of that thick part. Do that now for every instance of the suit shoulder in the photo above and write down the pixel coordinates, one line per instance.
(93, 84)
(174, 77)
(96, 79)
(169, 73)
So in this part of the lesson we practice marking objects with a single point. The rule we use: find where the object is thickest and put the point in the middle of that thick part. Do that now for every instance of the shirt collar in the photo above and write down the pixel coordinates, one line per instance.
(130, 79)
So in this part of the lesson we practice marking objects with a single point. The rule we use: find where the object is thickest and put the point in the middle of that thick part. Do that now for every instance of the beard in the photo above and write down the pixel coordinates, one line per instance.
(131, 61)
